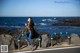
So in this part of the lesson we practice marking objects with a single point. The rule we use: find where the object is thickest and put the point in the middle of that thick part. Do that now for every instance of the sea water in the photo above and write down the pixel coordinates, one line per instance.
(42, 24)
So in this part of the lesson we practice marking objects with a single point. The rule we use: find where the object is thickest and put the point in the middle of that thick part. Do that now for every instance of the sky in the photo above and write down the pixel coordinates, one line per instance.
(39, 8)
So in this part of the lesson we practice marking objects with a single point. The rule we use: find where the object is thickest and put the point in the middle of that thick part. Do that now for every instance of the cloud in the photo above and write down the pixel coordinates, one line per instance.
(61, 1)
(67, 1)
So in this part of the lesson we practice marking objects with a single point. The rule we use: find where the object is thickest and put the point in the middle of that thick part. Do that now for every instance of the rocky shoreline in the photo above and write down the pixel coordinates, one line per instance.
(9, 36)
(68, 22)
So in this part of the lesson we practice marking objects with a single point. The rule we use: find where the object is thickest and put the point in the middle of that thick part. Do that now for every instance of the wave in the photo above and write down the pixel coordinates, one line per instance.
(42, 23)
(44, 20)
(12, 26)
(50, 20)
(5, 23)
(54, 18)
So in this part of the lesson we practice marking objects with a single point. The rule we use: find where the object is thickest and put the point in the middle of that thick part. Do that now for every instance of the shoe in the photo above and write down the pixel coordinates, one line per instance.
(28, 44)
(32, 48)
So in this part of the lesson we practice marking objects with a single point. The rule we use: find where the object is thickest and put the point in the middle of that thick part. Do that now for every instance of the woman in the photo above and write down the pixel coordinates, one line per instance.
(30, 30)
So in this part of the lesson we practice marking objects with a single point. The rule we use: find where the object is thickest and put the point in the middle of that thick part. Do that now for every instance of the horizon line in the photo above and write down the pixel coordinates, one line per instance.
(39, 16)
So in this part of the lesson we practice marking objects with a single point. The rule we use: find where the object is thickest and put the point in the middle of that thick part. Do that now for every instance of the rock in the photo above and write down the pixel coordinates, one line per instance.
(44, 40)
(6, 39)
(75, 39)
(56, 40)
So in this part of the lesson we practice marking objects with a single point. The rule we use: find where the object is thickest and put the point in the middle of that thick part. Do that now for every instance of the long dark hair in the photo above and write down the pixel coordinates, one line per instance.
(32, 22)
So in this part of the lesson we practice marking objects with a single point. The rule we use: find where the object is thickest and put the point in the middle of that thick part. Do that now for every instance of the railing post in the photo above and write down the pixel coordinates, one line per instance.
(51, 42)
(69, 38)
(18, 44)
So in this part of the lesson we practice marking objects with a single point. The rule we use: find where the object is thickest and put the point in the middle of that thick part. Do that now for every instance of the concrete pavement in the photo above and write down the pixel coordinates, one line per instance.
(75, 49)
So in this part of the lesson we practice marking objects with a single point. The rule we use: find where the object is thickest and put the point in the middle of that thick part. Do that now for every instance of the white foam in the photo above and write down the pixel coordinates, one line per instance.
(49, 19)
(43, 24)
(16, 26)
(12, 26)
(54, 18)
(44, 20)
(5, 23)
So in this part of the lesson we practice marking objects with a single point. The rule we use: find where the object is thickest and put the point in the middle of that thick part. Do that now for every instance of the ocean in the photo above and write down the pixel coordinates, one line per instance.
(42, 24)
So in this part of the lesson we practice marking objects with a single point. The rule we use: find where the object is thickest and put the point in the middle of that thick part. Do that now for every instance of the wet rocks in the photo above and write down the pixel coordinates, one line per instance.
(75, 39)
(6, 39)
(44, 40)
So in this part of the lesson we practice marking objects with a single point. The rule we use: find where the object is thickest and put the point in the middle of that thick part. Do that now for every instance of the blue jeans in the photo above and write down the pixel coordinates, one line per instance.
(28, 36)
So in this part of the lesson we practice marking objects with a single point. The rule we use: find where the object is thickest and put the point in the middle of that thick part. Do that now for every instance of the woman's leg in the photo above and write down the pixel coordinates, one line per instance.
(27, 36)
(30, 36)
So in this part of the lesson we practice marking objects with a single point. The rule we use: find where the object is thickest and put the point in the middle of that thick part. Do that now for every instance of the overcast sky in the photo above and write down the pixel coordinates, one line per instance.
(39, 8)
